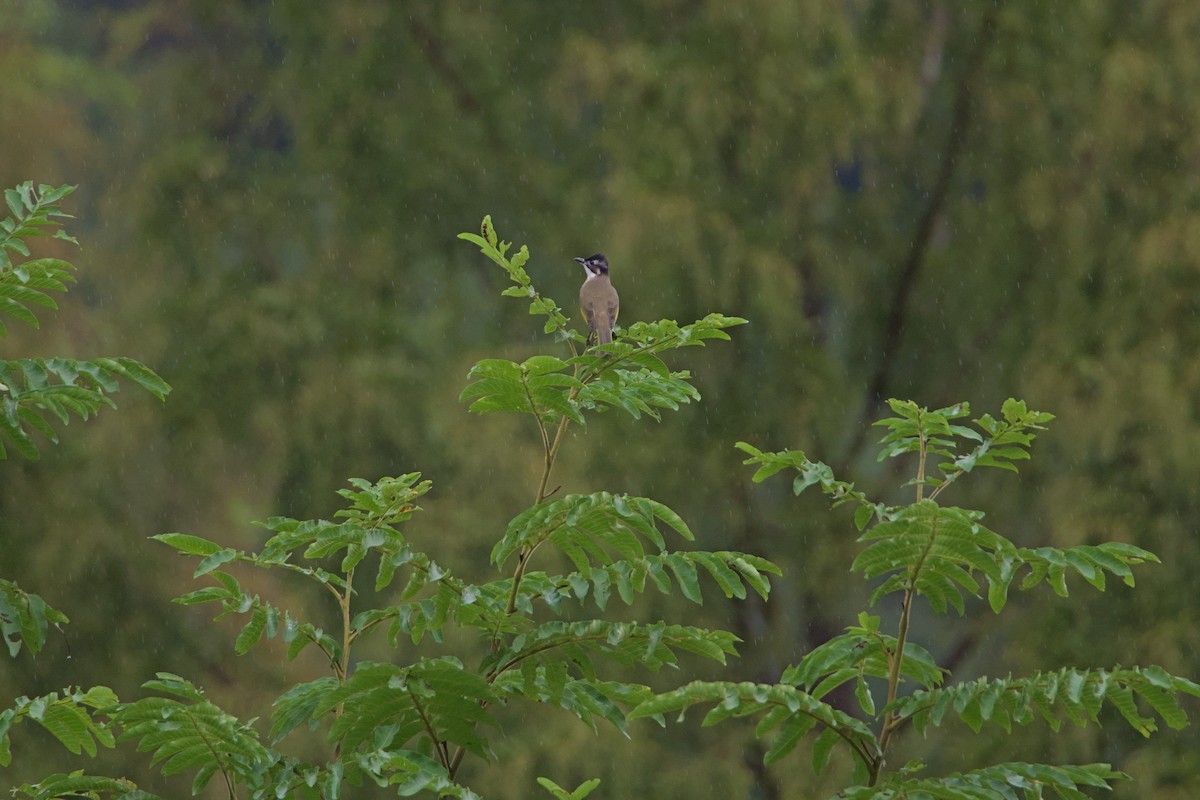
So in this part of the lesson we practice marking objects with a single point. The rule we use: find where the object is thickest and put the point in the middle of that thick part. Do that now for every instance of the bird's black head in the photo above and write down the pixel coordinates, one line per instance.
(595, 265)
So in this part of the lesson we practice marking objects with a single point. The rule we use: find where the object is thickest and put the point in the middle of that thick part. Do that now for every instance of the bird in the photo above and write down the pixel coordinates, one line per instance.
(598, 300)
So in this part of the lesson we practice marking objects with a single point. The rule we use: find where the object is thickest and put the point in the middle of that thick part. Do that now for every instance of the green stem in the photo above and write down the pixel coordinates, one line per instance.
(550, 450)
(342, 666)
(347, 639)
(896, 659)
(921, 466)
(439, 744)
(550, 455)
(229, 785)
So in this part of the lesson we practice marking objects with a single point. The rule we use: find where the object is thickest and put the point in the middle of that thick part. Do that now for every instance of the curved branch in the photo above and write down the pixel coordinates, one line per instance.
(435, 53)
(952, 149)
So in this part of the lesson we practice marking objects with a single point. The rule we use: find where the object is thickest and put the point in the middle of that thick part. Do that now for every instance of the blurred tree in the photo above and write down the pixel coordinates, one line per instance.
(928, 200)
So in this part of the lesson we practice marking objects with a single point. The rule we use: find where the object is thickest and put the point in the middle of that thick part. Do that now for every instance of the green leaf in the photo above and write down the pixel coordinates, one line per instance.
(788, 736)
(822, 748)
(297, 706)
(997, 782)
(14, 203)
(433, 699)
(137, 372)
(1076, 695)
(214, 560)
(860, 653)
(78, 784)
(252, 631)
(862, 693)
(588, 699)
(862, 516)
(25, 618)
(739, 699)
(685, 573)
(628, 644)
(188, 544)
(190, 733)
(593, 530)
(30, 388)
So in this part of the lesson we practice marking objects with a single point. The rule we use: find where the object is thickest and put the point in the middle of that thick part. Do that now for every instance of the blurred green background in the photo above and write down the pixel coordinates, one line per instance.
(931, 200)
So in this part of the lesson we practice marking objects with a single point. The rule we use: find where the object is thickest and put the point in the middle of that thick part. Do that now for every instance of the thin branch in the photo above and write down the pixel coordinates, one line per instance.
(343, 665)
(923, 454)
(435, 53)
(766, 785)
(550, 449)
(552, 453)
(952, 149)
(456, 762)
(439, 744)
(897, 660)
(537, 417)
(548, 466)
(216, 756)
(346, 639)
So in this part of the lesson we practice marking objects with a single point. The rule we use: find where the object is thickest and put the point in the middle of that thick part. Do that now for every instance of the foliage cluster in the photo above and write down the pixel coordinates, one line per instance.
(945, 556)
(929, 200)
(34, 391)
(408, 723)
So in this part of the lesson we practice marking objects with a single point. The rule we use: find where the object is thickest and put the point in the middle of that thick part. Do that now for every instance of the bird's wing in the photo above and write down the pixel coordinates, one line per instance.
(589, 315)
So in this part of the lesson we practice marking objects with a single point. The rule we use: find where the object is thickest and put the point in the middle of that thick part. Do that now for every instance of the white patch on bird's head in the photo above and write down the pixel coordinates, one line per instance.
(595, 265)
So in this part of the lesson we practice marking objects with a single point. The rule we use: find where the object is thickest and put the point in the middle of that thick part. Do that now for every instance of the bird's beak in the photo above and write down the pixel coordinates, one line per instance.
(581, 260)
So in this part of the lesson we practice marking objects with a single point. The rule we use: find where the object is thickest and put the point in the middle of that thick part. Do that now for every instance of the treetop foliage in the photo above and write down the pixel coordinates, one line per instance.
(916, 200)
(411, 722)
(941, 554)
(33, 388)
